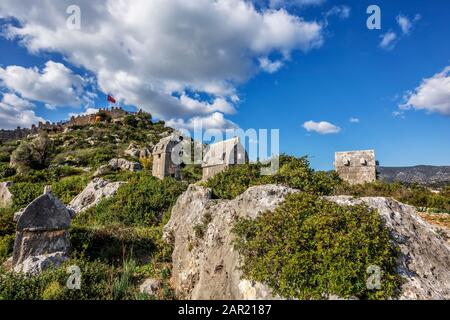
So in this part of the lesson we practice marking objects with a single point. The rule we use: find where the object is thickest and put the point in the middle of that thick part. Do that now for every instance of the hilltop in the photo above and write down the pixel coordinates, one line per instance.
(425, 175)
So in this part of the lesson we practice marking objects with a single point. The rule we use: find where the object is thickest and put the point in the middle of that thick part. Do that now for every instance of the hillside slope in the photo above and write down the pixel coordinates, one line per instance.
(427, 175)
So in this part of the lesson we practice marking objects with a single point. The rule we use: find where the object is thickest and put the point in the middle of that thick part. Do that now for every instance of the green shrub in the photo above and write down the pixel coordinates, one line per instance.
(7, 225)
(309, 248)
(25, 192)
(293, 172)
(112, 244)
(96, 283)
(140, 202)
(6, 171)
(234, 180)
(6, 246)
(67, 188)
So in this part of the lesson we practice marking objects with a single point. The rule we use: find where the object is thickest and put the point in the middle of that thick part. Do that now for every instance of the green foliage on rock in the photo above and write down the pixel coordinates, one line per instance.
(140, 202)
(309, 248)
(24, 193)
(293, 172)
(67, 188)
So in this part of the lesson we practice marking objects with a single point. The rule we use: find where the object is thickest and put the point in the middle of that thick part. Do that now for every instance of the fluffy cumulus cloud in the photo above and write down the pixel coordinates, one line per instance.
(55, 84)
(432, 95)
(322, 127)
(16, 112)
(176, 59)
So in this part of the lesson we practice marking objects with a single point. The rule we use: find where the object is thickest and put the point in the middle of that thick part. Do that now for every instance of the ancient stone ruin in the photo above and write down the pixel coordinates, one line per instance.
(42, 237)
(163, 161)
(356, 167)
(221, 155)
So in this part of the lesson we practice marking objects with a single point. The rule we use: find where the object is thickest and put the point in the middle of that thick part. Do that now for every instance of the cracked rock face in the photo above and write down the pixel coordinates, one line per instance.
(94, 192)
(6, 197)
(208, 267)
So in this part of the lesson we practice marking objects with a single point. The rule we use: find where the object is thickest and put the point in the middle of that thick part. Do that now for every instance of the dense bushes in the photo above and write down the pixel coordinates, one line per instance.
(96, 283)
(24, 193)
(140, 202)
(293, 172)
(309, 248)
(67, 188)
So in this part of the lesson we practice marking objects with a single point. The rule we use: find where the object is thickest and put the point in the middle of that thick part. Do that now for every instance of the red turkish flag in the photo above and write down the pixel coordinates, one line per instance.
(111, 99)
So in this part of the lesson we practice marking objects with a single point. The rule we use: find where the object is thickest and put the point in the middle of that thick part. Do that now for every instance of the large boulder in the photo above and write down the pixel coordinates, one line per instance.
(6, 197)
(42, 237)
(94, 192)
(118, 165)
(207, 267)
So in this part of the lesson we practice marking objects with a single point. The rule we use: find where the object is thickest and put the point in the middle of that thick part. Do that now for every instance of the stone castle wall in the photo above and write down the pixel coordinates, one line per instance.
(20, 133)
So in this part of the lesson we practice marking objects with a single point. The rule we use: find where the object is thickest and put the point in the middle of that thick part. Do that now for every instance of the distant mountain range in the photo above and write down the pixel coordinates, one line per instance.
(426, 175)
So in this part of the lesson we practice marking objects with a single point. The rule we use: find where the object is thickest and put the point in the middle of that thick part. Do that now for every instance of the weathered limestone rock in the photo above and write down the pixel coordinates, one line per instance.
(207, 268)
(116, 165)
(6, 196)
(150, 286)
(42, 237)
(134, 151)
(94, 192)
(424, 262)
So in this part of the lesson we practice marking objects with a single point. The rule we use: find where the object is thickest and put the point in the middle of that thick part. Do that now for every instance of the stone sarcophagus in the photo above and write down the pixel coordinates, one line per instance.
(356, 167)
(42, 237)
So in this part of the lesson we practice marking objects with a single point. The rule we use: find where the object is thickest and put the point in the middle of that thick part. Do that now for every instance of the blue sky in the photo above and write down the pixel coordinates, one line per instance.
(321, 71)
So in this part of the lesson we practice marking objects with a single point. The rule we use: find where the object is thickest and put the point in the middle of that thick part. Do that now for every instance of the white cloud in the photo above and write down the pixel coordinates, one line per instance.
(297, 3)
(433, 94)
(88, 111)
(322, 127)
(406, 24)
(14, 112)
(149, 53)
(213, 121)
(353, 120)
(270, 66)
(342, 12)
(16, 101)
(388, 40)
(55, 84)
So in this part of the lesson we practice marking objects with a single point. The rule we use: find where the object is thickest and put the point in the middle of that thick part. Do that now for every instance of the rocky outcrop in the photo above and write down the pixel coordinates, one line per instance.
(94, 192)
(42, 237)
(424, 262)
(134, 151)
(118, 165)
(6, 197)
(208, 267)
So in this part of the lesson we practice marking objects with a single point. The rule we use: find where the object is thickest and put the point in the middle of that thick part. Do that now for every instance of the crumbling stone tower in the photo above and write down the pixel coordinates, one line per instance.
(356, 167)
